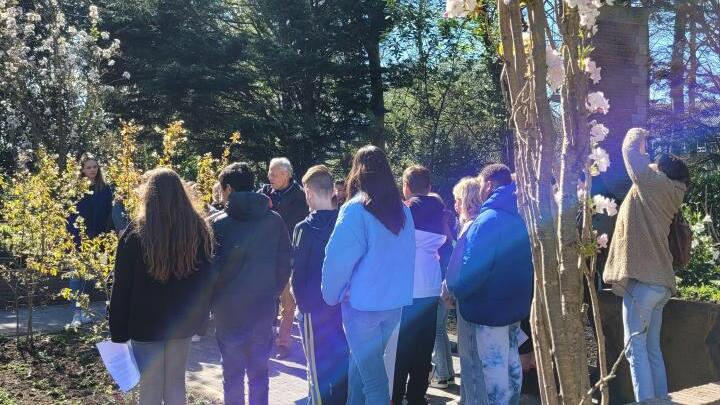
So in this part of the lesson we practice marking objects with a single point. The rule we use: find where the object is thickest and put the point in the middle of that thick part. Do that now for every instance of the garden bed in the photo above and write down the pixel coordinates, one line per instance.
(63, 368)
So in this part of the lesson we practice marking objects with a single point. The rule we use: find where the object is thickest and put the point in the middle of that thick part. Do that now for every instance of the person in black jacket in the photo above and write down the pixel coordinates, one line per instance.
(322, 333)
(95, 208)
(253, 262)
(287, 198)
(163, 284)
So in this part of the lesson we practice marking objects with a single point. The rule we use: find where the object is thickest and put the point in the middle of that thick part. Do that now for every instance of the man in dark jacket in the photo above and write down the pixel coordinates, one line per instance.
(252, 258)
(287, 198)
(494, 286)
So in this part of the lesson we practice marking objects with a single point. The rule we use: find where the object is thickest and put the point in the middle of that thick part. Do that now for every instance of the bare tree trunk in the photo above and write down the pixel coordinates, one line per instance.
(694, 11)
(377, 99)
(557, 317)
(576, 146)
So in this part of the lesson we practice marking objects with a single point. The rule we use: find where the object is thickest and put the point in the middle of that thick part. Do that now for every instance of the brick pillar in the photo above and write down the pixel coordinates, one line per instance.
(621, 50)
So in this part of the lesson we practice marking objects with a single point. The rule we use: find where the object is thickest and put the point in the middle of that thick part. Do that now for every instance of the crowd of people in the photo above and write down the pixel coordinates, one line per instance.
(370, 270)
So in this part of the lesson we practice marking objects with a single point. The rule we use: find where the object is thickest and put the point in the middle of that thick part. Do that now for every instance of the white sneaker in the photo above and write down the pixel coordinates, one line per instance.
(196, 338)
(77, 320)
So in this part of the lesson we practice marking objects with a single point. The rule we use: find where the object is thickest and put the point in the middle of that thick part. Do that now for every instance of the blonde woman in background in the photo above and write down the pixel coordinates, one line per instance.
(467, 205)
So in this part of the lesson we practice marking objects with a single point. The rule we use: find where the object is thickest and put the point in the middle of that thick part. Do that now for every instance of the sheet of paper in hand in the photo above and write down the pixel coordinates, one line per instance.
(120, 364)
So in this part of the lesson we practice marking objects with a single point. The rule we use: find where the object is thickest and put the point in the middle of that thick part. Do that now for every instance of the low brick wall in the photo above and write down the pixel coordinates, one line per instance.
(690, 342)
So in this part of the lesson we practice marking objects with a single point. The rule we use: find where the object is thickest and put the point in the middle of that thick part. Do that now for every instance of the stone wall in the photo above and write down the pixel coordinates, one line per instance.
(690, 342)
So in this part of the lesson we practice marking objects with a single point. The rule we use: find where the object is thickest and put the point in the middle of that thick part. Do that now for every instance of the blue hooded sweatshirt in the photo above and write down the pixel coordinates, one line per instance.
(366, 260)
(309, 240)
(494, 286)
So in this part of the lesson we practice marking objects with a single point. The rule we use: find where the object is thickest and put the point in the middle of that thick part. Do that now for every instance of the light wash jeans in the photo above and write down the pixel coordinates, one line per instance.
(442, 356)
(472, 384)
(642, 320)
(76, 285)
(369, 335)
(162, 370)
(498, 351)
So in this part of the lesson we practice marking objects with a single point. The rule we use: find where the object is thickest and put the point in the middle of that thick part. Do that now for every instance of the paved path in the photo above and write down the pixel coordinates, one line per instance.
(287, 377)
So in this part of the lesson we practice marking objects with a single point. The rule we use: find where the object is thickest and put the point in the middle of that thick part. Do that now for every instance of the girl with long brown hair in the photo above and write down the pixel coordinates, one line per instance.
(95, 209)
(369, 267)
(163, 284)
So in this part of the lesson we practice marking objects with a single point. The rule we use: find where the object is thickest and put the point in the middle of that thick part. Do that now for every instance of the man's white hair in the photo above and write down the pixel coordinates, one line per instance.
(282, 162)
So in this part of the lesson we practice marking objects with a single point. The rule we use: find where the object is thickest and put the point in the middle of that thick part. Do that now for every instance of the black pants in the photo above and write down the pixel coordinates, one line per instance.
(416, 341)
(328, 356)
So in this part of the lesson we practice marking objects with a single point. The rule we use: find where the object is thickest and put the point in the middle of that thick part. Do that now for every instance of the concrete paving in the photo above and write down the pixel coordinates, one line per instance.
(288, 383)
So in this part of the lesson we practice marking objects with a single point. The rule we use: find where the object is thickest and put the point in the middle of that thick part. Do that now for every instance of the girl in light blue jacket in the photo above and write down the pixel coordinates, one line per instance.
(368, 268)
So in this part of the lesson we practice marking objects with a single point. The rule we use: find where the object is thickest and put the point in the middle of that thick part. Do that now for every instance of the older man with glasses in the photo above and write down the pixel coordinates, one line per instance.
(287, 198)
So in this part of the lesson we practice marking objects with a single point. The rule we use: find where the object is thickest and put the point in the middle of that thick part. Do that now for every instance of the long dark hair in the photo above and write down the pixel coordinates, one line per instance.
(99, 183)
(174, 236)
(371, 175)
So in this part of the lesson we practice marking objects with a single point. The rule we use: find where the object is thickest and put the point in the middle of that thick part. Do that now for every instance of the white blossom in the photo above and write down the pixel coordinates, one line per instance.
(592, 68)
(698, 227)
(604, 204)
(596, 102)
(94, 13)
(33, 17)
(111, 62)
(598, 131)
(581, 191)
(459, 8)
(707, 219)
(602, 241)
(601, 159)
(34, 89)
(126, 75)
(556, 70)
(105, 35)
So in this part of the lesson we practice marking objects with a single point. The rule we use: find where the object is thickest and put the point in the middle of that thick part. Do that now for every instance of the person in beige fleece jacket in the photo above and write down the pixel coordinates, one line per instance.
(639, 265)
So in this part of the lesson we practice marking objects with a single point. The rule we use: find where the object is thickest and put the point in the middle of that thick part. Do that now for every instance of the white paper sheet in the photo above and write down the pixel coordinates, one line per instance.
(120, 364)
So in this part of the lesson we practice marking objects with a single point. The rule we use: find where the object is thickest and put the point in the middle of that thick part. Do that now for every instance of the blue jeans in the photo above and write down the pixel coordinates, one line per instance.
(76, 285)
(472, 386)
(246, 351)
(442, 356)
(162, 367)
(368, 334)
(642, 320)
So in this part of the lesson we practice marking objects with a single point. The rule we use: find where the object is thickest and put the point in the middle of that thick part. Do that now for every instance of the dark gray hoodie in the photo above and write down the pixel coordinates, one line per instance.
(252, 258)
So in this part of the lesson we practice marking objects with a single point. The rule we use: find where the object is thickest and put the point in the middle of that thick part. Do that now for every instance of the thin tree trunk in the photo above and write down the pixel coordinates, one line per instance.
(377, 98)
(692, 56)
(573, 370)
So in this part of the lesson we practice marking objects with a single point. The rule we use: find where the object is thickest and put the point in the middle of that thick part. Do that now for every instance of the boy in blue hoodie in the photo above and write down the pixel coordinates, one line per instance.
(322, 333)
